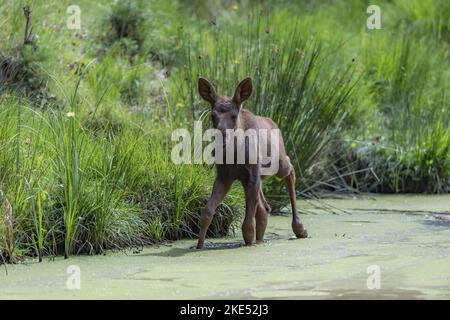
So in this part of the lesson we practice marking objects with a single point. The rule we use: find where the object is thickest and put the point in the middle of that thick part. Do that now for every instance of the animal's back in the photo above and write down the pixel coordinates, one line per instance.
(253, 121)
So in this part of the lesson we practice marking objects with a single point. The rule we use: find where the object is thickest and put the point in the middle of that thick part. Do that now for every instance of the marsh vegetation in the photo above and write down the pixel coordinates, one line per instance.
(86, 114)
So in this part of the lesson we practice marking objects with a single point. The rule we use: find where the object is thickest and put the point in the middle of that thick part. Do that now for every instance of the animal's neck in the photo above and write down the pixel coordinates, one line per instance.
(244, 119)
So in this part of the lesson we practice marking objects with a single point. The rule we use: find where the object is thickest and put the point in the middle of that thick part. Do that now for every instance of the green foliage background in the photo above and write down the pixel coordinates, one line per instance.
(86, 115)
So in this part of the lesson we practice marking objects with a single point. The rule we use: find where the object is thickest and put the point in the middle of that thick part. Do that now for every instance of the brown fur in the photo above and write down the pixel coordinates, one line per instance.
(227, 113)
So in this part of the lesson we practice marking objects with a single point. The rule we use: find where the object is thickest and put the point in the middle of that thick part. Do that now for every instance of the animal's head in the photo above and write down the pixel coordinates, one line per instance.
(225, 110)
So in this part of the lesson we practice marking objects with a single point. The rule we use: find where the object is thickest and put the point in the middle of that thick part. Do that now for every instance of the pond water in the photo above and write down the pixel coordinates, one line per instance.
(405, 238)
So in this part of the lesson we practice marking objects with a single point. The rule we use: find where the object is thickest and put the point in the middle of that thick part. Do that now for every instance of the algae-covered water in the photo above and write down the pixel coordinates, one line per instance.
(375, 247)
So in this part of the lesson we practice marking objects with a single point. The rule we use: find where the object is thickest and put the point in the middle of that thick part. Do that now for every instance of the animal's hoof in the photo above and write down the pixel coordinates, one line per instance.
(303, 234)
(199, 246)
(299, 230)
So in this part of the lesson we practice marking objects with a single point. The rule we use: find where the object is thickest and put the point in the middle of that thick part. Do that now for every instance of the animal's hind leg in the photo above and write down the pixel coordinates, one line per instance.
(261, 221)
(264, 201)
(251, 202)
(297, 225)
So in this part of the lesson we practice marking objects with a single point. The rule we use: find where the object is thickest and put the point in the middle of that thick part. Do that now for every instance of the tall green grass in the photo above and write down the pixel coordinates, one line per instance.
(292, 83)
(400, 128)
(73, 190)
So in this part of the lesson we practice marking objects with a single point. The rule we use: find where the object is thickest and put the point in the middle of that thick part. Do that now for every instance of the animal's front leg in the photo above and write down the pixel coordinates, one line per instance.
(261, 218)
(251, 201)
(219, 192)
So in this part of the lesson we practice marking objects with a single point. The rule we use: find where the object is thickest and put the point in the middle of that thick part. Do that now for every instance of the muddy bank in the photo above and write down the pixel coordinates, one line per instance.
(406, 237)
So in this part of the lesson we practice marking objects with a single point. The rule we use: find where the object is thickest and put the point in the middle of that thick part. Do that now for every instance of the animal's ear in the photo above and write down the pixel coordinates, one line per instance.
(243, 91)
(206, 90)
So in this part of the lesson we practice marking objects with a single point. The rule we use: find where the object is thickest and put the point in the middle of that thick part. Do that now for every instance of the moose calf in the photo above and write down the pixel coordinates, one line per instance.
(228, 114)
